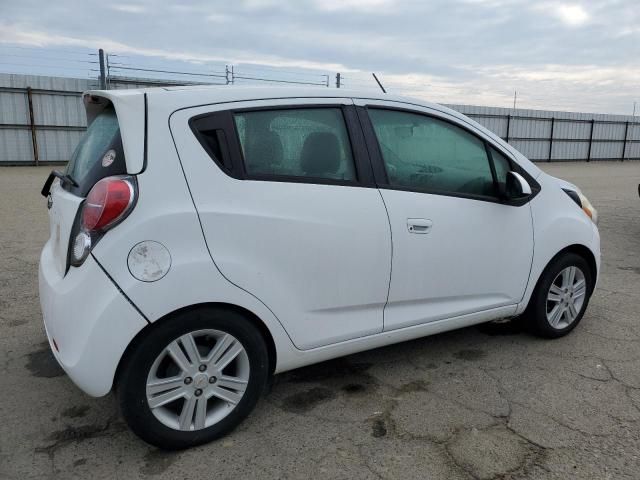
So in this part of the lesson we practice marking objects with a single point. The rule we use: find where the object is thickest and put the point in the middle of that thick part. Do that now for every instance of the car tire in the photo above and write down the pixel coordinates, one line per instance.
(211, 398)
(561, 296)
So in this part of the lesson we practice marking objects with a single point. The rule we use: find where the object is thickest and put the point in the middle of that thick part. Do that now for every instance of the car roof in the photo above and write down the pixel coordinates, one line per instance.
(191, 95)
(168, 100)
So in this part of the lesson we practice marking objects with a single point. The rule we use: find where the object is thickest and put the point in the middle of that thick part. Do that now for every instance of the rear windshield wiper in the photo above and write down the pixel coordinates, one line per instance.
(65, 179)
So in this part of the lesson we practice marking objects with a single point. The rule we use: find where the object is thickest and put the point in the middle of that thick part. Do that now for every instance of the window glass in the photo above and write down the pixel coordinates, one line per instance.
(502, 166)
(99, 152)
(425, 153)
(211, 140)
(296, 142)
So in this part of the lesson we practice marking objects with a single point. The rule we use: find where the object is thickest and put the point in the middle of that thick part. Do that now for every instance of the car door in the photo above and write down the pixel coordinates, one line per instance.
(285, 194)
(457, 249)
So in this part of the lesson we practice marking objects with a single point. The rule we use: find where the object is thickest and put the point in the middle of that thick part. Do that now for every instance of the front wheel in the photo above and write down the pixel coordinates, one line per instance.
(193, 378)
(561, 296)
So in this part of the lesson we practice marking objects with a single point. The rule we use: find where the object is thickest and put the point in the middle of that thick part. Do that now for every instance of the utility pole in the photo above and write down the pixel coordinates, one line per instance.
(32, 125)
(338, 83)
(634, 109)
(515, 97)
(103, 77)
(226, 73)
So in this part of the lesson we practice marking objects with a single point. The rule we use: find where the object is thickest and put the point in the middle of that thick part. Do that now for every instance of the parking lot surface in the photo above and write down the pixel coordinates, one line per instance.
(483, 402)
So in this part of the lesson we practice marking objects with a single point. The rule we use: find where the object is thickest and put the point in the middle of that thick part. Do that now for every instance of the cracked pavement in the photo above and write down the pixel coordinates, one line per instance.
(484, 402)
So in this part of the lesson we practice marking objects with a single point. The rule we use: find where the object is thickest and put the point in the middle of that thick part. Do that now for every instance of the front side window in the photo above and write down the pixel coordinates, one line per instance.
(306, 143)
(424, 153)
(502, 166)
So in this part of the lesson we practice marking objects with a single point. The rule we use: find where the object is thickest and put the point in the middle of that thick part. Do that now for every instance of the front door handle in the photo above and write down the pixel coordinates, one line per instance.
(419, 225)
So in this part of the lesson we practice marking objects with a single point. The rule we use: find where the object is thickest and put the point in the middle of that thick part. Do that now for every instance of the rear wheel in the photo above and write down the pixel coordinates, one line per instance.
(193, 378)
(561, 296)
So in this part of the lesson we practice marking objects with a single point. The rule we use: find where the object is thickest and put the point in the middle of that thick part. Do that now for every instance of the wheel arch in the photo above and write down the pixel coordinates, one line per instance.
(586, 253)
(577, 248)
(249, 315)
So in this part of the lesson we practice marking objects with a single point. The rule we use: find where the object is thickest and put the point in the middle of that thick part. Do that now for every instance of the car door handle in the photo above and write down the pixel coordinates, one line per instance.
(419, 225)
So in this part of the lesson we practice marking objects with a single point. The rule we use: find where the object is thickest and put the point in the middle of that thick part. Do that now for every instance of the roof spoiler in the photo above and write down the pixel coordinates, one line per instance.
(131, 110)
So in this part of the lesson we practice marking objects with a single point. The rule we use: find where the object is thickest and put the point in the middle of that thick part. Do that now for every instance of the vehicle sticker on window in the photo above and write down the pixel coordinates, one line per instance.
(108, 158)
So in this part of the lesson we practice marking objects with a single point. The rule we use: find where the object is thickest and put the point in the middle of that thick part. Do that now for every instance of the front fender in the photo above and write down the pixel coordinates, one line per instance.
(558, 223)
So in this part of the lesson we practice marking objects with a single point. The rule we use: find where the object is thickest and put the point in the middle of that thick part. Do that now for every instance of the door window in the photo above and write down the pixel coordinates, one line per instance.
(502, 166)
(427, 154)
(307, 143)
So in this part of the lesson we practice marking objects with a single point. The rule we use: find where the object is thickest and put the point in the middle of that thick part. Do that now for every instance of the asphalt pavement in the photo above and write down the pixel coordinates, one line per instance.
(483, 402)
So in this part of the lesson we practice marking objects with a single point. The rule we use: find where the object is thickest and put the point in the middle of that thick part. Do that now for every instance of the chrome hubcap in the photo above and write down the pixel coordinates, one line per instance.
(566, 297)
(197, 380)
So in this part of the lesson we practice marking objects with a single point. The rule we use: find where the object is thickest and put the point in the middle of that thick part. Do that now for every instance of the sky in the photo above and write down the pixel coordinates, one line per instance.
(557, 55)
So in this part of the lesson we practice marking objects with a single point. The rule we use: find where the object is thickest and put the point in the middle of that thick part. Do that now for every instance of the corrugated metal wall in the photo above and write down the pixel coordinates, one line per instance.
(543, 135)
(58, 114)
(59, 121)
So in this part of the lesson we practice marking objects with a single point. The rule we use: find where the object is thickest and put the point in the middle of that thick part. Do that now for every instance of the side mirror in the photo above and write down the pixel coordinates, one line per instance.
(517, 187)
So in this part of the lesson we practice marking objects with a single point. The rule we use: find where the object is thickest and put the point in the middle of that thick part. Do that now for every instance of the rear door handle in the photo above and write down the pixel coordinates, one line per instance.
(419, 225)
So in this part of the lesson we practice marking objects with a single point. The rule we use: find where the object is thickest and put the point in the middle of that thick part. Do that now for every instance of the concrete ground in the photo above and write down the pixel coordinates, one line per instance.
(481, 402)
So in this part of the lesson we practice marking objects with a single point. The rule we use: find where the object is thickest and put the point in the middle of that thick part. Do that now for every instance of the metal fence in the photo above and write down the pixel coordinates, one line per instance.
(545, 136)
(42, 120)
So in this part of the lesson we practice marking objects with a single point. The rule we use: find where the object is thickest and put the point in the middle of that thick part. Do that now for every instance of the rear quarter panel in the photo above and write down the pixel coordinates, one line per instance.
(165, 213)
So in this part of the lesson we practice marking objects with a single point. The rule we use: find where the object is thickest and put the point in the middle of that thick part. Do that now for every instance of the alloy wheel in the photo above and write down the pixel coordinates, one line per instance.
(197, 380)
(565, 297)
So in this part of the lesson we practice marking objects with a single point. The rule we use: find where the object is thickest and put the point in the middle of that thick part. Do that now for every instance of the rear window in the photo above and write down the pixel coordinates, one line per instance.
(99, 153)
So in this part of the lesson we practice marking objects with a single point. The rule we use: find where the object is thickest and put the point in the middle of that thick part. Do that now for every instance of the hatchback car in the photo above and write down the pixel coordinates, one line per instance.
(203, 239)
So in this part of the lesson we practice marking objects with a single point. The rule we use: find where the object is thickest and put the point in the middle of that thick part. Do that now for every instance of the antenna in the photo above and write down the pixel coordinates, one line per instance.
(379, 84)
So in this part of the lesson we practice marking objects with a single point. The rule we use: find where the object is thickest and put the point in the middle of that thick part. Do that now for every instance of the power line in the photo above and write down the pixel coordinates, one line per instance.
(158, 81)
(45, 58)
(238, 77)
(167, 71)
(144, 59)
(278, 70)
(40, 49)
(43, 66)
(151, 67)
(66, 74)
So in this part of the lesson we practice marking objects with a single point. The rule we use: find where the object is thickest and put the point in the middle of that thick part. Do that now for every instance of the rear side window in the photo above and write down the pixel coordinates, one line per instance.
(99, 153)
(306, 143)
(427, 154)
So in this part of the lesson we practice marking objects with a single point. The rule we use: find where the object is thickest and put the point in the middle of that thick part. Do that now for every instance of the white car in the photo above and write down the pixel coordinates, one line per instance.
(205, 238)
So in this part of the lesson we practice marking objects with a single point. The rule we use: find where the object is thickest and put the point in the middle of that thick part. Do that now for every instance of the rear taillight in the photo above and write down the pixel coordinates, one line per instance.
(107, 204)
(107, 201)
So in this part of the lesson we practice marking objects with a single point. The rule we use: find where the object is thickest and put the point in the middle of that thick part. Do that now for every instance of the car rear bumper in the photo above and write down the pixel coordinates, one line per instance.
(88, 321)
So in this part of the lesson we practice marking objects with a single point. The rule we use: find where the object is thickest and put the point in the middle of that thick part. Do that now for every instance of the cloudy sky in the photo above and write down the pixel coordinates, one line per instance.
(575, 55)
